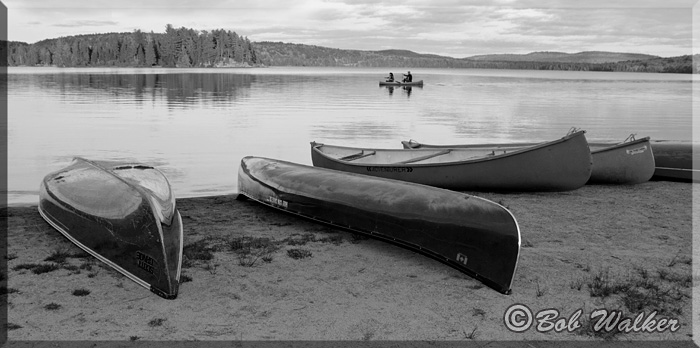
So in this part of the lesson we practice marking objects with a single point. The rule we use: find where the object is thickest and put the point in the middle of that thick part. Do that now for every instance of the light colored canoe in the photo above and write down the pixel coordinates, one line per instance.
(558, 165)
(627, 162)
(418, 83)
(674, 160)
(123, 214)
(472, 234)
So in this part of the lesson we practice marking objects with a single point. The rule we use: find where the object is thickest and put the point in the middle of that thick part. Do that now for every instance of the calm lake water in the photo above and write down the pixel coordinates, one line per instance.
(196, 124)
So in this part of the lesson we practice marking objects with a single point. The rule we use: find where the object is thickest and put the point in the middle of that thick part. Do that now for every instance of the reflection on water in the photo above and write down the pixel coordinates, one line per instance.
(196, 124)
(406, 89)
(176, 90)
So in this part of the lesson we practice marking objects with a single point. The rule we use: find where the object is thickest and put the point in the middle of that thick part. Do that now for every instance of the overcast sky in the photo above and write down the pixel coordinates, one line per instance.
(456, 28)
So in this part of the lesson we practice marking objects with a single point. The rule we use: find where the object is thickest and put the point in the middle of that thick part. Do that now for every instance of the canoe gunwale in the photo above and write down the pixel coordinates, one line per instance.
(614, 147)
(316, 148)
(678, 169)
(414, 145)
(677, 174)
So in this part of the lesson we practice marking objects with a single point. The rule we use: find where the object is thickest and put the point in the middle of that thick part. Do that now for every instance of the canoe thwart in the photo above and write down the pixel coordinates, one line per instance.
(358, 155)
(418, 159)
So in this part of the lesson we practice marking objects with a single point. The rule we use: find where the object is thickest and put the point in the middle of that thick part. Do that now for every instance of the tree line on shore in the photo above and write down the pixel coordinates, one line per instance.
(184, 47)
(177, 47)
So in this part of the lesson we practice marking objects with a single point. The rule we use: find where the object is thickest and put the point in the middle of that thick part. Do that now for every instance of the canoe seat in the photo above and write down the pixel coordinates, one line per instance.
(358, 155)
(493, 153)
(417, 159)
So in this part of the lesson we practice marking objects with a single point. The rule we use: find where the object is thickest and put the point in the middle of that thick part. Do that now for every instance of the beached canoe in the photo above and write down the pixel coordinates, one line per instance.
(559, 165)
(628, 162)
(674, 160)
(472, 234)
(399, 83)
(123, 214)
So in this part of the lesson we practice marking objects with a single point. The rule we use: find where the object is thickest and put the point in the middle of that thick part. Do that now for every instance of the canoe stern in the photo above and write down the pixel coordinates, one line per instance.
(625, 163)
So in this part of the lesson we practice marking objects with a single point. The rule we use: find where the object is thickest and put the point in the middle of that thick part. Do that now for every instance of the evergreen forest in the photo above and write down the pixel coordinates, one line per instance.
(177, 47)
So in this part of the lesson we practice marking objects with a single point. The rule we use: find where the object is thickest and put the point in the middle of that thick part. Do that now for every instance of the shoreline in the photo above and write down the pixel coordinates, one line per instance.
(579, 250)
(332, 67)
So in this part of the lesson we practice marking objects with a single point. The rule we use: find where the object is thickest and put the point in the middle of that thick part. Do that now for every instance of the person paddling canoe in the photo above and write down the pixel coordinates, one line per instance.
(390, 78)
(408, 77)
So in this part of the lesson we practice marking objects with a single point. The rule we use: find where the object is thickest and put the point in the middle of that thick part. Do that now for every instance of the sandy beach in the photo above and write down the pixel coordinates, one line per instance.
(252, 273)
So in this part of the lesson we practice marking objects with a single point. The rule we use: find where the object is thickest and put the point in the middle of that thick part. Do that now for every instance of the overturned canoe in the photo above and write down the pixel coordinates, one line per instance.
(674, 160)
(628, 162)
(474, 235)
(399, 83)
(121, 213)
(559, 165)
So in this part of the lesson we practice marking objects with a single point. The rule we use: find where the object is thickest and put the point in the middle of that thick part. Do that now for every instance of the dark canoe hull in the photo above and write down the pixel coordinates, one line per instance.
(624, 163)
(560, 165)
(471, 234)
(399, 83)
(121, 213)
(674, 160)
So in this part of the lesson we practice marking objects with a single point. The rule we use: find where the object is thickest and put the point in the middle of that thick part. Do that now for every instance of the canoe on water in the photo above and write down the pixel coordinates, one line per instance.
(558, 165)
(123, 214)
(472, 234)
(399, 83)
(627, 162)
(674, 160)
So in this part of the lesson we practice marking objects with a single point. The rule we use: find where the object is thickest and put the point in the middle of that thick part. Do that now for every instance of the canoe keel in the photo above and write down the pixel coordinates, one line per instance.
(129, 227)
(473, 235)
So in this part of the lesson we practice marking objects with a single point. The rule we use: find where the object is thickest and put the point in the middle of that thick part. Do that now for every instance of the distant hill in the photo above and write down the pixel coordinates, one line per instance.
(287, 54)
(561, 57)
(290, 54)
(410, 54)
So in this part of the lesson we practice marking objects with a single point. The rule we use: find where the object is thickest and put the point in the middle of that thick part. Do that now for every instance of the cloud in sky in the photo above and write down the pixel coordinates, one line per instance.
(457, 28)
(86, 23)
